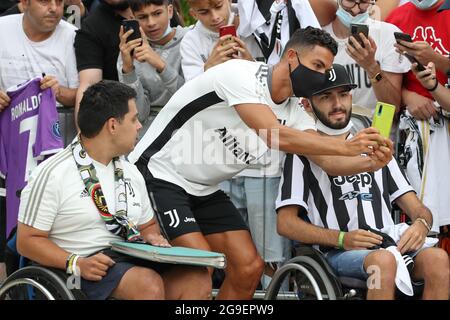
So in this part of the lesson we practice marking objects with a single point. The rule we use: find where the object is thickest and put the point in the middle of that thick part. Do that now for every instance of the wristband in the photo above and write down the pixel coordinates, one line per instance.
(74, 266)
(341, 240)
(435, 86)
(70, 262)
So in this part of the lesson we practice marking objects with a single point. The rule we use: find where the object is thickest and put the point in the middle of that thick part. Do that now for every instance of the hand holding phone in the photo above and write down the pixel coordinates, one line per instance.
(227, 30)
(402, 36)
(412, 59)
(383, 117)
(356, 29)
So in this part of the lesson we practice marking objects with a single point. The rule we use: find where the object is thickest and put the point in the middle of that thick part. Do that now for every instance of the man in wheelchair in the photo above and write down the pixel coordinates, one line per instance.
(66, 218)
(349, 217)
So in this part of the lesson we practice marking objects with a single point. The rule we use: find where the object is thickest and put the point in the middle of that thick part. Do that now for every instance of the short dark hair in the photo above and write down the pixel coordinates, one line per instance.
(309, 37)
(136, 5)
(102, 101)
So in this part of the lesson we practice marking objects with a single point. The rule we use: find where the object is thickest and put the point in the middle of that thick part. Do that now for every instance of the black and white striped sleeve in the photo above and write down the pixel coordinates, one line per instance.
(294, 187)
(396, 180)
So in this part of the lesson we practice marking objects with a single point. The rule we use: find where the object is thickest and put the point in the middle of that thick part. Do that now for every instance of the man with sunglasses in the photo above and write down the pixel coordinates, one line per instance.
(376, 67)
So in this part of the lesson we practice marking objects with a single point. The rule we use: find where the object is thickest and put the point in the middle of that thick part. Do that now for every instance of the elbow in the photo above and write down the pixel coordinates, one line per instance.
(283, 225)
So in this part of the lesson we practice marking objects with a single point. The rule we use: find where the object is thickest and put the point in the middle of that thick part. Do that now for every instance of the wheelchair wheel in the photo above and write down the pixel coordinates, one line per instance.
(310, 281)
(35, 283)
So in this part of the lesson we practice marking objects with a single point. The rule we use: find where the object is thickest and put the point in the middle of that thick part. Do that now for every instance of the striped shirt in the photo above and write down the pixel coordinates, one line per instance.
(199, 140)
(344, 202)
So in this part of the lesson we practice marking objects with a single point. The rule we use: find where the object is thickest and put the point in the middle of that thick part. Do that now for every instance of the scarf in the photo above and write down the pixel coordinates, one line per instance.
(118, 223)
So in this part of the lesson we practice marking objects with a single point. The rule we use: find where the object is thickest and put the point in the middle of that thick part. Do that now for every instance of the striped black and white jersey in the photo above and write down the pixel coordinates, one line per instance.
(344, 202)
(198, 139)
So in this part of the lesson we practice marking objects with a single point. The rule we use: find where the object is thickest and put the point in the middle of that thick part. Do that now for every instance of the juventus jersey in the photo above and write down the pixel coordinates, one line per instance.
(343, 203)
(198, 139)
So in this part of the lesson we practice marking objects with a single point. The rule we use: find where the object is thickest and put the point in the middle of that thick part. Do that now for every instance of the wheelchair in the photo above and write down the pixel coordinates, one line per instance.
(312, 278)
(29, 281)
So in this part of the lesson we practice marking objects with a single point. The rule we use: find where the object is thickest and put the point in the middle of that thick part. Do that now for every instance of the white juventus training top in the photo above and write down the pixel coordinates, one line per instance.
(198, 139)
(345, 202)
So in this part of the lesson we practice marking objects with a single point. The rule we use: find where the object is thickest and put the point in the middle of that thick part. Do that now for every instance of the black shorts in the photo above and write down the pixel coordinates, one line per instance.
(101, 290)
(180, 213)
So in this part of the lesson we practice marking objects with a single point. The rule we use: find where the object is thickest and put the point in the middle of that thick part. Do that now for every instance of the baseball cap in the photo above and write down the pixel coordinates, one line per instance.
(336, 77)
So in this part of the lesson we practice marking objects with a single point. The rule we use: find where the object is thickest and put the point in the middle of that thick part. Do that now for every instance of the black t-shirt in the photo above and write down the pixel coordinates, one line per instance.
(12, 10)
(97, 42)
(6, 4)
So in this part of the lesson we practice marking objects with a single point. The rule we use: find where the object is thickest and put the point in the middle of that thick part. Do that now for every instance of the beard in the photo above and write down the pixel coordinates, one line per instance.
(118, 6)
(324, 119)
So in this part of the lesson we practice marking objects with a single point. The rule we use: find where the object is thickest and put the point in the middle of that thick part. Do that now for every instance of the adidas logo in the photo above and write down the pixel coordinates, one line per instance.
(84, 193)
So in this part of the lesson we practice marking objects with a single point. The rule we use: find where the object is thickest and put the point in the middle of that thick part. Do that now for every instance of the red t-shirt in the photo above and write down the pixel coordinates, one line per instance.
(424, 25)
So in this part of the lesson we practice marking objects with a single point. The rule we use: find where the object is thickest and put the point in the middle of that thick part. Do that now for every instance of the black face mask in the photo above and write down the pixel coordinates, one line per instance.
(305, 81)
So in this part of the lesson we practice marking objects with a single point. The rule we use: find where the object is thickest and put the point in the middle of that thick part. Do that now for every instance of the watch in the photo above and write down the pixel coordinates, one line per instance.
(376, 78)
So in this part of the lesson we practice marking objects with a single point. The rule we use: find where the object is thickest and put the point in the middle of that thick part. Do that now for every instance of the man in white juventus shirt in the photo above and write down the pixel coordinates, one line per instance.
(222, 122)
(336, 211)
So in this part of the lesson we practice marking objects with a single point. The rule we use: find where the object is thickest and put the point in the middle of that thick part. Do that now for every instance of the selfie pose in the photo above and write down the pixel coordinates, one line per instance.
(224, 121)
(348, 232)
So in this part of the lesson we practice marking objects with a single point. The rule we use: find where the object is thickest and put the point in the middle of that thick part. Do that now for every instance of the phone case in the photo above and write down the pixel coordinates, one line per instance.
(132, 25)
(383, 117)
(229, 29)
(356, 29)
(402, 36)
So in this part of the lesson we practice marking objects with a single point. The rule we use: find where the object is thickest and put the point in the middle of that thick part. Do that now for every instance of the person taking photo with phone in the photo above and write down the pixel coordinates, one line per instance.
(359, 206)
(151, 64)
(376, 67)
(427, 145)
(203, 47)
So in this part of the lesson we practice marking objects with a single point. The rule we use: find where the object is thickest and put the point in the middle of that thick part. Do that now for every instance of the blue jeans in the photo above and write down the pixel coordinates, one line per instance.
(348, 263)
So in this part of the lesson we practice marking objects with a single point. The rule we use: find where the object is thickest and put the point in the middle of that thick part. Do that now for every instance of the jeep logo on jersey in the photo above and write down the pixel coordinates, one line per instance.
(174, 219)
(364, 179)
(234, 146)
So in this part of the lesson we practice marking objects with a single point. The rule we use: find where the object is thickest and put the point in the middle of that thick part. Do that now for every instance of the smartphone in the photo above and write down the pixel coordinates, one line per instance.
(230, 30)
(356, 29)
(402, 36)
(131, 25)
(383, 117)
(412, 59)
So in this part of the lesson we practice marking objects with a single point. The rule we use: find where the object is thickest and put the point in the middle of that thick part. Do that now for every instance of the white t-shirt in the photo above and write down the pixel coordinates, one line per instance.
(56, 200)
(390, 61)
(22, 59)
(198, 139)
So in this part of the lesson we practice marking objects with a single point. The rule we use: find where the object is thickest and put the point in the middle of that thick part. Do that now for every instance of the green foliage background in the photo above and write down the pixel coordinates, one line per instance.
(185, 9)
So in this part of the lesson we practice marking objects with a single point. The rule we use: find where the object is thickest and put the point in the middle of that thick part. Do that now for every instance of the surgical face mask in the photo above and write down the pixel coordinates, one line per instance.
(346, 18)
(165, 34)
(306, 81)
(424, 4)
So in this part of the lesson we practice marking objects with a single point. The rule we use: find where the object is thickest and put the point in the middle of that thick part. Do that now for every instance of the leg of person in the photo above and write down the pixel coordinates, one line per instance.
(140, 283)
(187, 283)
(226, 232)
(244, 265)
(378, 267)
(382, 268)
(261, 194)
(432, 265)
